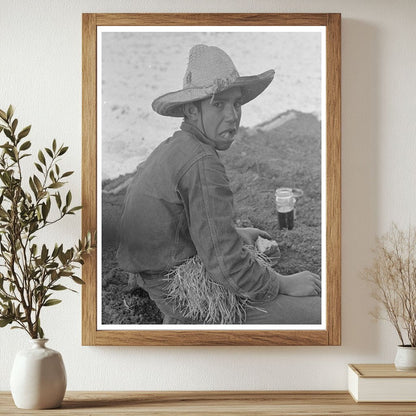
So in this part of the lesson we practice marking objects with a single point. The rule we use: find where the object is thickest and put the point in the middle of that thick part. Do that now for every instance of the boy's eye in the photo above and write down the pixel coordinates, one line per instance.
(237, 105)
(218, 104)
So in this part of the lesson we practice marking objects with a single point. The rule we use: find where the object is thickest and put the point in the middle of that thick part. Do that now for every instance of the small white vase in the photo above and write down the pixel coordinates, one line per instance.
(405, 358)
(38, 377)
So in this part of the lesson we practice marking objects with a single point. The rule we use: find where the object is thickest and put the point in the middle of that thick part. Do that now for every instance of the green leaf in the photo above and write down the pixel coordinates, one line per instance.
(76, 279)
(25, 145)
(44, 253)
(49, 152)
(54, 145)
(56, 185)
(58, 199)
(24, 132)
(40, 332)
(55, 251)
(25, 155)
(39, 167)
(3, 115)
(63, 150)
(61, 257)
(8, 133)
(37, 183)
(51, 302)
(14, 125)
(76, 208)
(68, 199)
(5, 321)
(10, 112)
(59, 287)
(67, 274)
(45, 211)
(34, 249)
(33, 187)
(6, 145)
(67, 174)
(41, 157)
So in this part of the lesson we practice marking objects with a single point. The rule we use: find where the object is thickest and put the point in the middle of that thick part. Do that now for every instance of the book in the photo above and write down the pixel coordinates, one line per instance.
(381, 383)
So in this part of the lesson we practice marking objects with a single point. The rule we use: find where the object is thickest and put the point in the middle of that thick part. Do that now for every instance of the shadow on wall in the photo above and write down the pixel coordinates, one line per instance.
(360, 180)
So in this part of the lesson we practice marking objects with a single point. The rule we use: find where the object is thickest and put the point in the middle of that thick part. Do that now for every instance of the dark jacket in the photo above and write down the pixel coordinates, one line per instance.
(180, 204)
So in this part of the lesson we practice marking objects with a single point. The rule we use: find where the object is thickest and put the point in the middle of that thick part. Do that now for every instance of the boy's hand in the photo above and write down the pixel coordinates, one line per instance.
(300, 284)
(250, 235)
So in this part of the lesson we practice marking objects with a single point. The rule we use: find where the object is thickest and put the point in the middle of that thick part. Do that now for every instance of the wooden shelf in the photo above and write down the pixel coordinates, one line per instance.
(178, 403)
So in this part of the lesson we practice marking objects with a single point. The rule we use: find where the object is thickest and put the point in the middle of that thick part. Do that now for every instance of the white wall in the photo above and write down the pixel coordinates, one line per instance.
(40, 73)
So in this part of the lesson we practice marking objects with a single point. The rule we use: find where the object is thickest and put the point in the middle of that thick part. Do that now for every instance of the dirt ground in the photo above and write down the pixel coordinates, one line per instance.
(284, 152)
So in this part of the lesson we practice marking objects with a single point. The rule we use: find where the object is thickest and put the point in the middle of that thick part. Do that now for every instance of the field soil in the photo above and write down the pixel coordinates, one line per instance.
(283, 152)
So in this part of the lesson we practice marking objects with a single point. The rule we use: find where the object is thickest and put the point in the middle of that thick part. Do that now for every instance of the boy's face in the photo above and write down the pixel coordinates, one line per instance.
(221, 118)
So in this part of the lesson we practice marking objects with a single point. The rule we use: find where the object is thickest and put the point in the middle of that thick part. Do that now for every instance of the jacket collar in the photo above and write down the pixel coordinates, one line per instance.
(190, 128)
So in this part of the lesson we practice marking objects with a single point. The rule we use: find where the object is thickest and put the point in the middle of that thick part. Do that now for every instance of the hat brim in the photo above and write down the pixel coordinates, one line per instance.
(171, 104)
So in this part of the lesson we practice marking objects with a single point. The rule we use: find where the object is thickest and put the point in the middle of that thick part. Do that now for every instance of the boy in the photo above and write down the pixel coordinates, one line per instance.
(180, 204)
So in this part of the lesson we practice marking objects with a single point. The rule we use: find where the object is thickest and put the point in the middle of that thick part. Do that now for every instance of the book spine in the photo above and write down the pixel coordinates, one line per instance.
(353, 381)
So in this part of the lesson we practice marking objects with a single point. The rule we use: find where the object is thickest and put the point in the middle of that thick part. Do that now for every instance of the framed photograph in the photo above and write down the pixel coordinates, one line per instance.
(211, 172)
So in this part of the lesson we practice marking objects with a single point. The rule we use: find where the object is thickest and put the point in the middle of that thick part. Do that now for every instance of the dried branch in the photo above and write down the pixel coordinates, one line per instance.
(393, 277)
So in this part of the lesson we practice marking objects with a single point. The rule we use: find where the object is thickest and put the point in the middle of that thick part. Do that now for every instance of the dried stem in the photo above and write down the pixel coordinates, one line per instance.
(393, 276)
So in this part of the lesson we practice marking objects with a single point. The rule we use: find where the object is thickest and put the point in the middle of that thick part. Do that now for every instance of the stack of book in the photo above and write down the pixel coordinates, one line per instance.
(381, 383)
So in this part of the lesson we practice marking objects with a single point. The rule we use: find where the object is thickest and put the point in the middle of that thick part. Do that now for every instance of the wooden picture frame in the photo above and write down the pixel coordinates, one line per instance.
(331, 334)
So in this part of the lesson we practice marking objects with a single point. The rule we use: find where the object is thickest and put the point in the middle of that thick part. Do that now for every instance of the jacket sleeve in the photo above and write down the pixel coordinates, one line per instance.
(208, 200)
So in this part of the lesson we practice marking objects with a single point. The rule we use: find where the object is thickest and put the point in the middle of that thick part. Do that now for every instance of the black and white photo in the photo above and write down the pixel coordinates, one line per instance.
(186, 221)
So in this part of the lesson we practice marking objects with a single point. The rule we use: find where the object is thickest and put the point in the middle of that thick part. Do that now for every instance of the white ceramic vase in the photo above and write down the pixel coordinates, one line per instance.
(38, 377)
(405, 358)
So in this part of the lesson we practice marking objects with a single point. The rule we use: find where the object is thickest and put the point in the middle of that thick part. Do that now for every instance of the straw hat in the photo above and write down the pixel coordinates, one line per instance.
(210, 71)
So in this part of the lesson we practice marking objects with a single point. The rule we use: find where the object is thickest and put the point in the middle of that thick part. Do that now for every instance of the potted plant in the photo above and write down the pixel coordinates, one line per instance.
(31, 273)
(393, 277)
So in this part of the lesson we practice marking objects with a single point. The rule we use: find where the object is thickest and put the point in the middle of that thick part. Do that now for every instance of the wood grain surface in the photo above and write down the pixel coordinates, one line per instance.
(333, 179)
(332, 334)
(318, 403)
(381, 371)
(211, 19)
